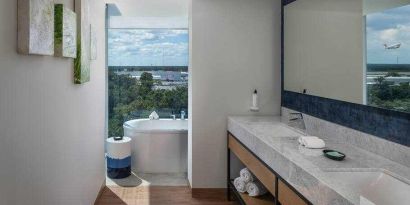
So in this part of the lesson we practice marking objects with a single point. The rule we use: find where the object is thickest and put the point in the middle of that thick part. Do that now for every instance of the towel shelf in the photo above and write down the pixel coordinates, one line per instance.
(280, 191)
(265, 176)
(266, 199)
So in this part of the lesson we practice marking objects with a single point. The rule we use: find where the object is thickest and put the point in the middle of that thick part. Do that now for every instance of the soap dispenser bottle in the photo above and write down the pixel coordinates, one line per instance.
(255, 107)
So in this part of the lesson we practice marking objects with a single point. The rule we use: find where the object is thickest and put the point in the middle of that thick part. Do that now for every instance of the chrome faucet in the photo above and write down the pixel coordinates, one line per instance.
(298, 119)
(182, 115)
(174, 117)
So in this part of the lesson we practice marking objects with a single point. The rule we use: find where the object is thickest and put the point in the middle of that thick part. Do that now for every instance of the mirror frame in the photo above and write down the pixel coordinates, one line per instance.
(387, 124)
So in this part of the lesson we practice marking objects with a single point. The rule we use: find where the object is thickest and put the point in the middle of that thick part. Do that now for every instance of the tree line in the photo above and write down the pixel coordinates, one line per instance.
(130, 98)
(385, 94)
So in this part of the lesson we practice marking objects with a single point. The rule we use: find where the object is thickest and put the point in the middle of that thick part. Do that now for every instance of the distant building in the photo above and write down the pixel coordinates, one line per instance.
(371, 80)
(155, 77)
(158, 75)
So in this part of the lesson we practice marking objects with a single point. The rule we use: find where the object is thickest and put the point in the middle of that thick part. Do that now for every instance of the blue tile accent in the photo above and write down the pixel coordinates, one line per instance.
(387, 124)
(118, 163)
(286, 2)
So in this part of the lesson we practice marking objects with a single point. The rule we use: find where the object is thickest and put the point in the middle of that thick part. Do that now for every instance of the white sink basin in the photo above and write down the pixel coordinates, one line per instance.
(372, 187)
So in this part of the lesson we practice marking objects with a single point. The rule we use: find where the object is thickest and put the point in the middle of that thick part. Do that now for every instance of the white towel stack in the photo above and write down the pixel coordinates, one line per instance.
(240, 185)
(246, 175)
(246, 182)
(255, 188)
(312, 142)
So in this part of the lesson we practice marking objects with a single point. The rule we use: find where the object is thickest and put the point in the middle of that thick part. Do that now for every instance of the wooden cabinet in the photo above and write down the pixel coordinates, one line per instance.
(287, 196)
(265, 176)
(273, 182)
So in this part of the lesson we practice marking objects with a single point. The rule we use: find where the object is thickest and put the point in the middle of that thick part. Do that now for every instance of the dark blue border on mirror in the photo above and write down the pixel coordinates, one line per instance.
(387, 124)
(286, 2)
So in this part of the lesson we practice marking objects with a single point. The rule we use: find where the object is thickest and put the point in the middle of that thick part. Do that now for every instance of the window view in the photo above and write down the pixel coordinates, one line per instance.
(388, 59)
(148, 71)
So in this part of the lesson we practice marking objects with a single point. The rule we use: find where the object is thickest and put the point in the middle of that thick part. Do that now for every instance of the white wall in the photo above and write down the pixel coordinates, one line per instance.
(148, 14)
(150, 8)
(235, 48)
(51, 131)
(373, 6)
(324, 42)
(189, 163)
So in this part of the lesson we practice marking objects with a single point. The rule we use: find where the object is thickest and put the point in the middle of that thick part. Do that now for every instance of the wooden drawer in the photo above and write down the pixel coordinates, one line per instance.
(267, 178)
(287, 196)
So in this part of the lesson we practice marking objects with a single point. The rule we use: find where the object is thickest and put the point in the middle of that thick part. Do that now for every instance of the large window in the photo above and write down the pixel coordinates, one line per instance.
(388, 58)
(148, 71)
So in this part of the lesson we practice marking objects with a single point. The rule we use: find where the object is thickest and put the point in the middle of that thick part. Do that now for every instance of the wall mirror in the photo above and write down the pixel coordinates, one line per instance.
(352, 50)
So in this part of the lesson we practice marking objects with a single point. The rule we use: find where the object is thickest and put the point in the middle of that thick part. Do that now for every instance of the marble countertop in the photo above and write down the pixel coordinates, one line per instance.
(307, 170)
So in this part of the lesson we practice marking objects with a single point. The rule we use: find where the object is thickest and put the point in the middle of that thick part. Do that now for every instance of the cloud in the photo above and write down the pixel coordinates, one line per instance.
(164, 49)
(389, 18)
(139, 47)
(388, 27)
(389, 35)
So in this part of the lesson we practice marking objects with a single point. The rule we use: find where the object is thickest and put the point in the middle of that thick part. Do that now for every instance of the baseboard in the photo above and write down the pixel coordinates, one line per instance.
(100, 192)
(217, 194)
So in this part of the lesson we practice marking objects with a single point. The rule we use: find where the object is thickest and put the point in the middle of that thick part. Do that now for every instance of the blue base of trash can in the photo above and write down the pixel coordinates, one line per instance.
(118, 168)
(118, 173)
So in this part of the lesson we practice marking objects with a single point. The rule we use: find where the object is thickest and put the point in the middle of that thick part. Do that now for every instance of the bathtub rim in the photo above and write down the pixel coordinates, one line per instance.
(126, 125)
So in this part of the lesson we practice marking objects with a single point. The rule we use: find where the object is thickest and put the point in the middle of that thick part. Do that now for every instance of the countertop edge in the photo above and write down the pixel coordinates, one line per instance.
(305, 183)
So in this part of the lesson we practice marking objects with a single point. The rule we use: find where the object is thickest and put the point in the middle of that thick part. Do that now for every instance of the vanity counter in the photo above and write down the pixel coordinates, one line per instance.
(308, 171)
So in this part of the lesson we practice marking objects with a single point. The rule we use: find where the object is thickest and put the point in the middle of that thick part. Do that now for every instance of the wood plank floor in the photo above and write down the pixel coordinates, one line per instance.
(154, 195)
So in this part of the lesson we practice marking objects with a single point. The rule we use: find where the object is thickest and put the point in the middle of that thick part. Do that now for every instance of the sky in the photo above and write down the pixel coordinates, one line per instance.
(165, 47)
(388, 27)
(153, 47)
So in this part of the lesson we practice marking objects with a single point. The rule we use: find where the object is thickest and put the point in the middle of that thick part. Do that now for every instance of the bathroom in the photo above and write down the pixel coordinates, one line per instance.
(147, 62)
(291, 102)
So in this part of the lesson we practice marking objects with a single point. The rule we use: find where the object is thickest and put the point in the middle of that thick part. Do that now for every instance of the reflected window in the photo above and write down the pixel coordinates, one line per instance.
(388, 59)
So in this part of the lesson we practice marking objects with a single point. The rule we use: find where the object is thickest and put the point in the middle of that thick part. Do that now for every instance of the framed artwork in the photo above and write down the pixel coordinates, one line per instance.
(35, 29)
(93, 43)
(65, 32)
(82, 61)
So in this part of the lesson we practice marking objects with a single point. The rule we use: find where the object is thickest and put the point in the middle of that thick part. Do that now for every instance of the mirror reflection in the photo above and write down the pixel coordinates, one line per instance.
(352, 50)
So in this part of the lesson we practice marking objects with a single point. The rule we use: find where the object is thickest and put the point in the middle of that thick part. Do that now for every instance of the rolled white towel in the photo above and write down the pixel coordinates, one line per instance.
(302, 139)
(240, 185)
(255, 188)
(312, 142)
(246, 175)
(315, 144)
(310, 152)
(154, 116)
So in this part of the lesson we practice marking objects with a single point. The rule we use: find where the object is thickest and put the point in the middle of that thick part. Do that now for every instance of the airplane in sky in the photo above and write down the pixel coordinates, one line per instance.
(390, 47)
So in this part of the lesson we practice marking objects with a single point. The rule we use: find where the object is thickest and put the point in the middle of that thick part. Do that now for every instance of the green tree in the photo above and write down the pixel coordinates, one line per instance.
(382, 90)
(146, 82)
(385, 94)
(130, 98)
(393, 74)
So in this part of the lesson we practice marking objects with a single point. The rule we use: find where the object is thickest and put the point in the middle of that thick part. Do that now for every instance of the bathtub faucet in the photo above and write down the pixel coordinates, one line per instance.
(182, 115)
(173, 117)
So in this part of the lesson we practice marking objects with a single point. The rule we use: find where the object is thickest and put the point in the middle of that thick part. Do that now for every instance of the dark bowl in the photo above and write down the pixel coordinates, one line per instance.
(327, 153)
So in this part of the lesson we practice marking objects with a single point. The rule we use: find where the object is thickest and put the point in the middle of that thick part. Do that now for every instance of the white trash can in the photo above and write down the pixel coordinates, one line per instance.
(118, 157)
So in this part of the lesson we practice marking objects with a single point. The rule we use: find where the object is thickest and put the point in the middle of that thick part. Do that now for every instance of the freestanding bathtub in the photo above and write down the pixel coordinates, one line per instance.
(158, 146)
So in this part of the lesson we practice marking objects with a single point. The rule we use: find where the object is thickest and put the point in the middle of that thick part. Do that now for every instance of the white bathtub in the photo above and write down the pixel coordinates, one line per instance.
(158, 146)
